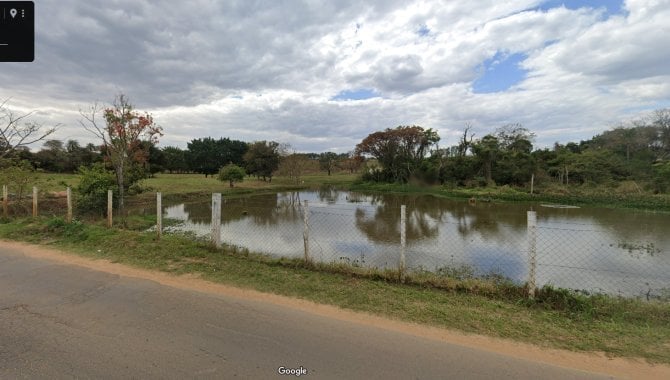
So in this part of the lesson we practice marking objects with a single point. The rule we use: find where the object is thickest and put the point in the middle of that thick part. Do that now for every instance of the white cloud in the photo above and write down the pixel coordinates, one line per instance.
(251, 71)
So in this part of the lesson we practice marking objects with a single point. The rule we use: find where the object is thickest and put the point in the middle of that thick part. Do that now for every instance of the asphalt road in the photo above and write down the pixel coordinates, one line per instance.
(65, 321)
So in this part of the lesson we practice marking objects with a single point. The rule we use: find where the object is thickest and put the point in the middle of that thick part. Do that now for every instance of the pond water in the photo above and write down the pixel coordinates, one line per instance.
(619, 252)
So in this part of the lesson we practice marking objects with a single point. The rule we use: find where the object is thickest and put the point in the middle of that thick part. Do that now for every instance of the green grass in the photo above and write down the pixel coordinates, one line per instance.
(193, 186)
(557, 318)
(584, 196)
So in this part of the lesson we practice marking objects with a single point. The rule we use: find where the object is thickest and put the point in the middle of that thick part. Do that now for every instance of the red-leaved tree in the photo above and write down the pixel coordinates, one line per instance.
(122, 136)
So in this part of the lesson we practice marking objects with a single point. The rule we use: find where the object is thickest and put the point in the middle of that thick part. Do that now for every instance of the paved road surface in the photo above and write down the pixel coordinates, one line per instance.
(65, 321)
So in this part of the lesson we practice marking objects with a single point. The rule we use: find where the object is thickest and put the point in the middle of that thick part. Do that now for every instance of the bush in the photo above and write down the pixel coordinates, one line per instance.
(93, 186)
(231, 173)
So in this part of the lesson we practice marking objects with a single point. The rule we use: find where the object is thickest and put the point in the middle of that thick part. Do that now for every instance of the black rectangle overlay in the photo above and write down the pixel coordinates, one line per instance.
(17, 31)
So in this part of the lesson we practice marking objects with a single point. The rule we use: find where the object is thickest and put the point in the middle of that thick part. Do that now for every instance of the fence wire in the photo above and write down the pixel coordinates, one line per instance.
(462, 241)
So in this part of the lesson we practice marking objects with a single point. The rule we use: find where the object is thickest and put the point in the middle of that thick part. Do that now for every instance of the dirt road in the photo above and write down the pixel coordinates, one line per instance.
(64, 316)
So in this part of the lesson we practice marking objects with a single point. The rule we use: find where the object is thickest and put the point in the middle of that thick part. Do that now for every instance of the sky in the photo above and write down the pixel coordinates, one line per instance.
(321, 75)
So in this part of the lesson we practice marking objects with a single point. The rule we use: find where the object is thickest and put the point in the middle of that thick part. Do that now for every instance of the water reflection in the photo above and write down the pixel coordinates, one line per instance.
(617, 251)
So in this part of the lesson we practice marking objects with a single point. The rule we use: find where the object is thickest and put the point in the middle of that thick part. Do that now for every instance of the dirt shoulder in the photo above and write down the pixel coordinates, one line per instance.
(593, 362)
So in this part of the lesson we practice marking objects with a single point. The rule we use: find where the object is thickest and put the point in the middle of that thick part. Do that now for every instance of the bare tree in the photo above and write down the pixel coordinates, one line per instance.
(17, 131)
(465, 143)
(122, 135)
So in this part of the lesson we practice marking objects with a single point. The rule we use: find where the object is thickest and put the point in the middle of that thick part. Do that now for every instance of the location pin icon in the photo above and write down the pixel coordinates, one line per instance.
(12, 12)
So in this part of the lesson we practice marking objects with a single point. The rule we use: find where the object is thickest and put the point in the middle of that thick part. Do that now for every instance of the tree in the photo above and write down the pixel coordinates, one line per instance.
(487, 150)
(122, 136)
(231, 173)
(262, 159)
(328, 161)
(464, 143)
(16, 131)
(17, 174)
(175, 159)
(207, 155)
(400, 151)
(53, 157)
(350, 161)
(293, 166)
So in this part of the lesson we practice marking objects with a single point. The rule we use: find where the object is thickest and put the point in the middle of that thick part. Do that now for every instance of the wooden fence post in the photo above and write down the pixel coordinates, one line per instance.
(532, 251)
(68, 193)
(305, 232)
(110, 209)
(159, 215)
(403, 242)
(5, 200)
(216, 219)
(35, 212)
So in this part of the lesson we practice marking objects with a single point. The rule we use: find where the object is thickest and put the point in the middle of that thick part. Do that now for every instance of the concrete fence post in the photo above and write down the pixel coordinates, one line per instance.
(403, 232)
(5, 200)
(159, 215)
(110, 208)
(68, 193)
(305, 232)
(35, 211)
(216, 219)
(532, 252)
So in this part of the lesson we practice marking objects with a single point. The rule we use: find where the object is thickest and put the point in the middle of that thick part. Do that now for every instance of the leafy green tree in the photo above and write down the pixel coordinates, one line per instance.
(175, 159)
(400, 151)
(487, 149)
(207, 155)
(262, 159)
(661, 181)
(231, 173)
(52, 157)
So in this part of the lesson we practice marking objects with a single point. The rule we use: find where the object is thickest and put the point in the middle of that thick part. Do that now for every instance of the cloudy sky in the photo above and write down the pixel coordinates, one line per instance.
(321, 75)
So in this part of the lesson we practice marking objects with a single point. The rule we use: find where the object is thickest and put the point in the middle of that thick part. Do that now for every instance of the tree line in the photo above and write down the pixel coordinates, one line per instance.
(638, 151)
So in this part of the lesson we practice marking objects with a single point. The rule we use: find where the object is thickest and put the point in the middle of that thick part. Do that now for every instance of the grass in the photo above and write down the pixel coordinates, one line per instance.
(600, 196)
(193, 186)
(556, 318)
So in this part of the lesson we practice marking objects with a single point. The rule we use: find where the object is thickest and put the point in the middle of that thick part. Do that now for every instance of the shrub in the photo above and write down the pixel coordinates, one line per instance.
(231, 173)
(93, 186)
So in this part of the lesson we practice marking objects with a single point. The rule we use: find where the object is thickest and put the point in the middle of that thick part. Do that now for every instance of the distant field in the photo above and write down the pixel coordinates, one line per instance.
(198, 183)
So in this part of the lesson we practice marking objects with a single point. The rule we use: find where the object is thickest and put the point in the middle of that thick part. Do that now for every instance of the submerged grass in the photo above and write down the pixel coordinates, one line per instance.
(556, 318)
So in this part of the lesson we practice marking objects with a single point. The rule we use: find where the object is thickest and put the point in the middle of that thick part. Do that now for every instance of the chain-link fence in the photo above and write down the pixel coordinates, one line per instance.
(629, 257)
(520, 247)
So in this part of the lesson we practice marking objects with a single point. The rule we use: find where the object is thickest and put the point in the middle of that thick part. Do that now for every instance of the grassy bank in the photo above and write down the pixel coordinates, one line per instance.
(558, 319)
(597, 196)
(184, 187)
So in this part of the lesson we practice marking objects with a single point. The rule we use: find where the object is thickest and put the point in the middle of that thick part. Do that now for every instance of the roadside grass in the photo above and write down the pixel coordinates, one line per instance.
(556, 318)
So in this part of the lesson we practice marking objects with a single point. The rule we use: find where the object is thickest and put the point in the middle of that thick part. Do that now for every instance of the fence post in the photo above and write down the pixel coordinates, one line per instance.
(68, 193)
(216, 219)
(5, 200)
(532, 251)
(159, 215)
(403, 231)
(35, 213)
(305, 233)
(110, 209)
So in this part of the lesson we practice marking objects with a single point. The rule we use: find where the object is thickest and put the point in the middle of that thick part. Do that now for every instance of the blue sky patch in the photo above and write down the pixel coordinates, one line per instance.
(613, 6)
(361, 94)
(500, 73)
(423, 30)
